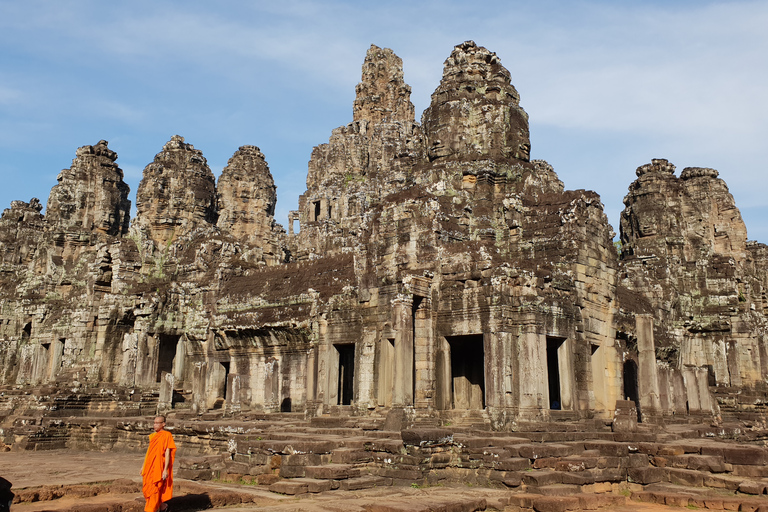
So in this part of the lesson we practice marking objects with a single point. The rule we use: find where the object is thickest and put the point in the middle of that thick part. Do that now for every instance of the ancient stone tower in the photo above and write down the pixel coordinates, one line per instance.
(438, 272)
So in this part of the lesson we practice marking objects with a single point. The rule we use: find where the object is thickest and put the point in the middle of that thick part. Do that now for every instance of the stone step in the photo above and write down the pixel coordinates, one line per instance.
(423, 504)
(291, 487)
(701, 501)
(332, 472)
(364, 482)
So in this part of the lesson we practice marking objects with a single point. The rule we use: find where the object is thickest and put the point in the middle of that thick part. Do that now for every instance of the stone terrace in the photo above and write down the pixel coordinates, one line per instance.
(553, 466)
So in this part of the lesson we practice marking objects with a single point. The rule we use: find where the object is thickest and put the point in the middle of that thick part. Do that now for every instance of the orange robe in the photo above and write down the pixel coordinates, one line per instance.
(155, 489)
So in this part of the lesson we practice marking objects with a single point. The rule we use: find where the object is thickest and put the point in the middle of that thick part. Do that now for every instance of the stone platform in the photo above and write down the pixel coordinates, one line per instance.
(543, 467)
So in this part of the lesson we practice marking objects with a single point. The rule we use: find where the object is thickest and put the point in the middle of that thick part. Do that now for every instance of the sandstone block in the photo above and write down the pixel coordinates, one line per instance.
(364, 482)
(540, 478)
(607, 448)
(291, 487)
(331, 472)
(647, 475)
(556, 503)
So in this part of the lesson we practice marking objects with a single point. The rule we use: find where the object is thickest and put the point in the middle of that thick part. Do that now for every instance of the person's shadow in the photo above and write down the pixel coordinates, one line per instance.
(6, 496)
(189, 502)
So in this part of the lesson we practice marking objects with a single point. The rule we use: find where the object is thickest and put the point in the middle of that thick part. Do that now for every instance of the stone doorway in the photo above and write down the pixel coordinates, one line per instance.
(166, 353)
(631, 390)
(558, 373)
(345, 390)
(467, 371)
(221, 388)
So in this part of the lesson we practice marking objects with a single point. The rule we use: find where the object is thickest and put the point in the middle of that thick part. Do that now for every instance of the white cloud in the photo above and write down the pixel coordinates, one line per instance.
(684, 80)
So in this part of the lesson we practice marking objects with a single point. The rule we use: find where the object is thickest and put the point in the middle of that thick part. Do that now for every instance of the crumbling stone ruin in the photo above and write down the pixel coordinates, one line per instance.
(438, 278)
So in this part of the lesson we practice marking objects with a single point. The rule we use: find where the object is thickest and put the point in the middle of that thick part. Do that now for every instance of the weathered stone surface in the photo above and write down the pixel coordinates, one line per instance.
(475, 112)
(91, 195)
(684, 250)
(246, 205)
(176, 195)
(21, 227)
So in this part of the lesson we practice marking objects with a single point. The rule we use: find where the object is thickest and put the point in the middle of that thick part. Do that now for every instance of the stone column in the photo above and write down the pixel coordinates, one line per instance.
(566, 370)
(311, 374)
(402, 322)
(57, 355)
(178, 359)
(232, 403)
(165, 401)
(364, 370)
(532, 367)
(422, 352)
(386, 372)
(647, 378)
(128, 369)
(691, 389)
(493, 360)
(199, 376)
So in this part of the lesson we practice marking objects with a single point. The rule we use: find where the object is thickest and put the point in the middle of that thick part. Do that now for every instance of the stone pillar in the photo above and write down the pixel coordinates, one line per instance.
(199, 376)
(422, 352)
(128, 365)
(386, 373)
(232, 403)
(42, 363)
(493, 360)
(311, 374)
(706, 401)
(532, 367)
(647, 378)
(402, 322)
(443, 383)
(566, 370)
(720, 362)
(364, 370)
(691, 389)
(271, 382)
(293, 216)
(332, 369)
(146, 366)
(178, 360)
(598, 367)
(165, 401)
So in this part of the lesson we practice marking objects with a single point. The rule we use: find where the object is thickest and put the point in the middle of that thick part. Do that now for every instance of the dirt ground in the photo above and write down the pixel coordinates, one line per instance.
(61, 467)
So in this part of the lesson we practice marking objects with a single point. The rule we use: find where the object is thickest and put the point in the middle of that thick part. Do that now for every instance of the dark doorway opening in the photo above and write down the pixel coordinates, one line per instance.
(630, 385)
(467, 371)
(285, 405)
(346, 373)
(166, 352)
(223, 382)
(553, 372)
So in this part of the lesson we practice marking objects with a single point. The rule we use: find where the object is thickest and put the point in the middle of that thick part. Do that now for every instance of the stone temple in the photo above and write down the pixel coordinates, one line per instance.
(433, 275)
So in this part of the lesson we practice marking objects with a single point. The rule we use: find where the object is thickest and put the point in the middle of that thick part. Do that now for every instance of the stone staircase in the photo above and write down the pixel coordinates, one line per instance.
(326, 454)
(540, 466)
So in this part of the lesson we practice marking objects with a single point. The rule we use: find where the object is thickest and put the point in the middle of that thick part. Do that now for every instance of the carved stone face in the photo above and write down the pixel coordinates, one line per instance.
(523, 152)
(475, 111)
(438, 150)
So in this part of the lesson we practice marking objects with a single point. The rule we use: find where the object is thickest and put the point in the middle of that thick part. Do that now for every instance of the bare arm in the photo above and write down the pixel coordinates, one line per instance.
(167, 463)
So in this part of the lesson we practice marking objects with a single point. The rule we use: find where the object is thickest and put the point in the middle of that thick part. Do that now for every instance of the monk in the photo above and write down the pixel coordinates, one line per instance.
(157, 472)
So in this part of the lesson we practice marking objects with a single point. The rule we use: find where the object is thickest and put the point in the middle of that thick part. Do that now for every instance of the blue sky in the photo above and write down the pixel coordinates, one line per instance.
(608, 85)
